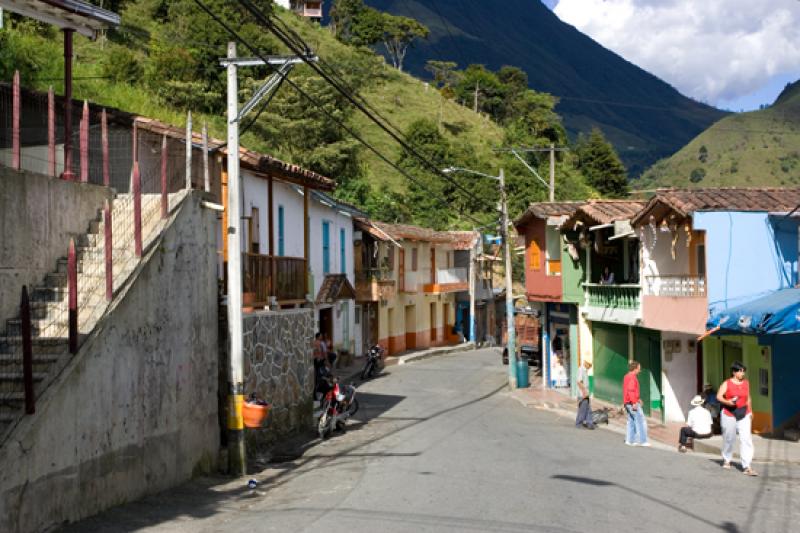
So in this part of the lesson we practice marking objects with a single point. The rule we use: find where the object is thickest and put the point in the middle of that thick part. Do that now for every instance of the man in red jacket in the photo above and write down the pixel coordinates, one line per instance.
(636, 434)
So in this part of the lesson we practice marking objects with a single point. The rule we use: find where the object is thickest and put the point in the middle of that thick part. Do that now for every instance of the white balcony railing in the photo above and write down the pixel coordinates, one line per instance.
(450, 276)
(680, 286)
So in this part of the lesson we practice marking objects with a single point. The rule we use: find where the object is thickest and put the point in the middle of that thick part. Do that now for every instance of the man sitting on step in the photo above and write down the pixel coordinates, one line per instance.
(699, 424)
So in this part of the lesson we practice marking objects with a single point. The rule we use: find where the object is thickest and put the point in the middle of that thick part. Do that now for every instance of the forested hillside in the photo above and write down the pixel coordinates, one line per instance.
(164, 61)
(748, 149)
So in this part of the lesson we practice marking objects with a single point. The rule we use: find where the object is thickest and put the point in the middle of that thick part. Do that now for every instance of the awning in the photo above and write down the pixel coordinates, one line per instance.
(335, 287)
(773, 314)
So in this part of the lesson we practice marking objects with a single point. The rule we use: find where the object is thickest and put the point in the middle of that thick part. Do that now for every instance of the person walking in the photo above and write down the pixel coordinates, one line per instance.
(698, 422)
(636, 434)
(737, 417)
(584, 418)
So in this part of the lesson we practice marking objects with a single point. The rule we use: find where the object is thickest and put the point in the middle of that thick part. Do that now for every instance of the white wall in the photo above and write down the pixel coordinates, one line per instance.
(678, 376)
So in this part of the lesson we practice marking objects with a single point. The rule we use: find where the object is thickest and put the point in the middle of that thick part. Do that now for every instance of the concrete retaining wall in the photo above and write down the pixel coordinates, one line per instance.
(278, 367)
(135, 412)
(38, 215)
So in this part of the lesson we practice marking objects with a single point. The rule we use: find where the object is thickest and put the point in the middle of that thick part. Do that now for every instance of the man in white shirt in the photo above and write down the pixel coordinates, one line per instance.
(699, 424)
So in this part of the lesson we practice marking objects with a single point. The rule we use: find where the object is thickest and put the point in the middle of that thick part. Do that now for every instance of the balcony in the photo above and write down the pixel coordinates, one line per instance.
(374, 284)
(675, 286)
(613, 303)
(675, 303)
(283, 278)
(449, 280)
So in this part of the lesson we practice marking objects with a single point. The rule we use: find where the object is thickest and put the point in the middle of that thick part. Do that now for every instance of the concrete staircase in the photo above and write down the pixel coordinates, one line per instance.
(49, 312)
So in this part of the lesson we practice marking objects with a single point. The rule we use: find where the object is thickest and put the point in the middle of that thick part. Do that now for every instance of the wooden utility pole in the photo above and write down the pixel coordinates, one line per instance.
(552, 172)
(475, 101)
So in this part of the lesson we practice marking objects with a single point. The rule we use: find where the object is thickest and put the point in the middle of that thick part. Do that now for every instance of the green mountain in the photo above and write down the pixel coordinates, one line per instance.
(746, 149)
(645, 118)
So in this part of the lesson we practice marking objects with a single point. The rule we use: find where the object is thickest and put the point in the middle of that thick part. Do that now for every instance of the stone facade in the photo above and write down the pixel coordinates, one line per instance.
(278, 367)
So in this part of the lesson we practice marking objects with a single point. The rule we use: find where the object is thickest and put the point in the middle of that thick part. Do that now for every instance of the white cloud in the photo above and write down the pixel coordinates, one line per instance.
(711, 50)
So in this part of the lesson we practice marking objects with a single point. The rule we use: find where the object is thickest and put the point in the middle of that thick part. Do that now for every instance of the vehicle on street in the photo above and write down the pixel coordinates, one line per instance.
(526, 326)
(374, 363)
(338, 404)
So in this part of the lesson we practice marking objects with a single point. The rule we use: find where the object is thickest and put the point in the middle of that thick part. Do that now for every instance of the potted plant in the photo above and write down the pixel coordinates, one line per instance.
(255, 411)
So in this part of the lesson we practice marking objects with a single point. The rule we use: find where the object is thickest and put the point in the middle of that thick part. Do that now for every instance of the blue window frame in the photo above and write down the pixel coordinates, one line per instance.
(342, 250)
(281, 250)
(326, 247)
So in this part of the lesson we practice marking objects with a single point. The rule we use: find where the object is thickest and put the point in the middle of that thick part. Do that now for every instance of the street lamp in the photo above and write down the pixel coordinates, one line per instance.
(511, 342)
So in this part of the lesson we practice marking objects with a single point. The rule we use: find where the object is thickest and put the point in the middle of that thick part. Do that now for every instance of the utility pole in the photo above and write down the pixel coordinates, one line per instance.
(510, 323)
(236, 446)
(475, 101)
(552, 172)
(473, 262)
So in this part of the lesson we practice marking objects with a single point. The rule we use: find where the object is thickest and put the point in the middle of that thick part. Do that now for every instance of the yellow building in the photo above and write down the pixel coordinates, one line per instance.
(407, 279)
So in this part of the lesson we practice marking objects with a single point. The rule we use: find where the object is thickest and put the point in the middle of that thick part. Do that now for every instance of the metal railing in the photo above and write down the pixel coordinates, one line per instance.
(282, 278)
(623, 296)
(374, 274)
(675, 285)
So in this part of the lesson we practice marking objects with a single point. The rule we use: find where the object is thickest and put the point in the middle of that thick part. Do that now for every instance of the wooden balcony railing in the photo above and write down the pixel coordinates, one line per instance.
(268, 276)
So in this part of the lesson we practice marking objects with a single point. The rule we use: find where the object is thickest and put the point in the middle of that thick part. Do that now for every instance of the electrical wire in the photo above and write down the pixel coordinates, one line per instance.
(268, 24)
(441, 200)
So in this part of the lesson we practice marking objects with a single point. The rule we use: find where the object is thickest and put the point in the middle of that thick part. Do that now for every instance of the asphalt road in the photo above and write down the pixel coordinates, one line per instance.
(440, 446)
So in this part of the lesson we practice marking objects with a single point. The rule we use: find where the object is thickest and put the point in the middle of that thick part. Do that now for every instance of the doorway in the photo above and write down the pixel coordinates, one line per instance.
(434, 336)
(731, 352)
(411, 327)
(647, 352)
(445, 322)
(326, 323)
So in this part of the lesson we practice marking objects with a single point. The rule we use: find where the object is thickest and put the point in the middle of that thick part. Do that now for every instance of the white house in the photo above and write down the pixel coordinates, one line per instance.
(330, 280)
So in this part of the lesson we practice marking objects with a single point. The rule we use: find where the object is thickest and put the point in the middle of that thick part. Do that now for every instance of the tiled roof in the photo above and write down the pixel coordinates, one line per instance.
(544, 210)
(684, 202)
(596, 212)
(335, 287)
(253, 161)
(461, 240)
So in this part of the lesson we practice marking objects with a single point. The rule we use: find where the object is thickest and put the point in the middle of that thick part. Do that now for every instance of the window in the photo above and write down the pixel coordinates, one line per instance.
(390, 258)
(326, 247)
(535, 256)
(414, 259)
(281, 250)
(701, 260)
(253, 231)
(342, 250)
(763, 382)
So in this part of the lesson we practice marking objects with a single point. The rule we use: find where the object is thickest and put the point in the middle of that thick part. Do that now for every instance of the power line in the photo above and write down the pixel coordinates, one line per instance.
(268, 23)
(321, 108)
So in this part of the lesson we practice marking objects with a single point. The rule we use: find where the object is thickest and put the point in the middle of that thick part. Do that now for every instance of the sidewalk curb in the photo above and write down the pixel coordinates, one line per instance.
(433, 352)
(701, 449)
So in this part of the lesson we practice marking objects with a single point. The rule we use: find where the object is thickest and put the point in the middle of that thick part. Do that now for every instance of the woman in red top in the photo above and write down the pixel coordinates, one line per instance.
(736, 417)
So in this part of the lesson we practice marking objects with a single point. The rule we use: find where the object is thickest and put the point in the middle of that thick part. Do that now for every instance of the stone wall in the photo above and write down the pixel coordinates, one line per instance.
(278, 367)
(135, 411)
(38, 215)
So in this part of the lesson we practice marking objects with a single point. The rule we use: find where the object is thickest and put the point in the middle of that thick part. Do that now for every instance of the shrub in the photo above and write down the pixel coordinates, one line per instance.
(697, 175)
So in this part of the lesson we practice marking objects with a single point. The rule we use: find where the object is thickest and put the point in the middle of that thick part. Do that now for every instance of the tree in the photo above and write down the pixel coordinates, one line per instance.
(399, 33)
(599, 162)
(343, 15)
(444, 72)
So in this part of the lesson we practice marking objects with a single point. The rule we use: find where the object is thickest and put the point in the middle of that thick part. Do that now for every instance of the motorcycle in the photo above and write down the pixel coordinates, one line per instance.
(338, 404)
(374, 363)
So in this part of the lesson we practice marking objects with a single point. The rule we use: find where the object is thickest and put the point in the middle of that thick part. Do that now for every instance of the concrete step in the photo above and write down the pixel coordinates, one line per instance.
(40, 345)
(48, 294)
(8, 361)
(56, 279)
(18, 376)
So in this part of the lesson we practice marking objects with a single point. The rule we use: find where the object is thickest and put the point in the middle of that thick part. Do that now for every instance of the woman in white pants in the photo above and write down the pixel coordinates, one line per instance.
(736, 417)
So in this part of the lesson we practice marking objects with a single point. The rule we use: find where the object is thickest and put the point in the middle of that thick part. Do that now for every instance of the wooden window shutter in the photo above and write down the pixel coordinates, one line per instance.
(536, 256)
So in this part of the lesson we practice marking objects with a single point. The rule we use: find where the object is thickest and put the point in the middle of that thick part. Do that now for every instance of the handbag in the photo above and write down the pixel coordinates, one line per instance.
(740, 412)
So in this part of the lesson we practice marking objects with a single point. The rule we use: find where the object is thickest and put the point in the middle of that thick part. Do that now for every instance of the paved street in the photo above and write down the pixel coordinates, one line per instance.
(440, 446)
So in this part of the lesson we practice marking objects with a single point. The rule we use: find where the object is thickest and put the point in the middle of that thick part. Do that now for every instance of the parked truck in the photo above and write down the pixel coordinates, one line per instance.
(526, 325)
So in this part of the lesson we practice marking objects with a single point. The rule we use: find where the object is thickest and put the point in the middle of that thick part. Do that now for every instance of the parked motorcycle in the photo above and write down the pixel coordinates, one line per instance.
(374, 363)
(338, 404)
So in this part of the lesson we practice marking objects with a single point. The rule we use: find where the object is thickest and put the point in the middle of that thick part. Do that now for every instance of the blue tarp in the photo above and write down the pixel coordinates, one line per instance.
(775, 313)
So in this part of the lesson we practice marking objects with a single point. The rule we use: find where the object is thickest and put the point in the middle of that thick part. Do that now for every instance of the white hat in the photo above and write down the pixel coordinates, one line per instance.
(697, 400)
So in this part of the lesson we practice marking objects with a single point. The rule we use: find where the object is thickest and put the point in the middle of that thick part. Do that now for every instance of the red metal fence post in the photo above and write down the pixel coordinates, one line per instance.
(104, 142)
(27, 351)
(137, 209)
(51, 132)
(15, 112)
(84, 140)
(164, 197)
(72, 288)
(108, 249)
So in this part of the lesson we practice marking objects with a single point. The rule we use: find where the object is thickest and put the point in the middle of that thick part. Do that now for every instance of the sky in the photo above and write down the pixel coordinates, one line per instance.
(733, 54)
